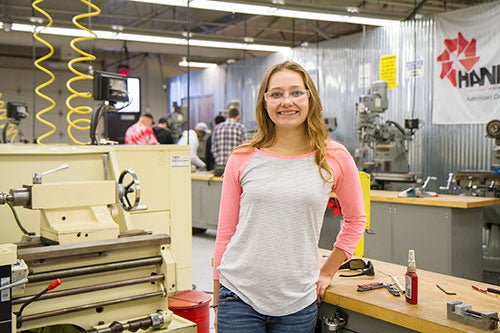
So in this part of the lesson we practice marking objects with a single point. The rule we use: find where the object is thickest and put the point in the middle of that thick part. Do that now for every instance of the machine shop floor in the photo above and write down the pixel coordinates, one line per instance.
(203, 247)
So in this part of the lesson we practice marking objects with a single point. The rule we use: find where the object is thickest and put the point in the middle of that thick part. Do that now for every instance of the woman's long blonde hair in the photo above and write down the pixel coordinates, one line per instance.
(315, 127)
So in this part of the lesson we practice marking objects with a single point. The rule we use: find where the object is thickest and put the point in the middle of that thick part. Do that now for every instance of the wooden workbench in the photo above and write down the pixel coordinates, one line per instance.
(206, 176)
(442, 200)
(452, 201)
(380, 307)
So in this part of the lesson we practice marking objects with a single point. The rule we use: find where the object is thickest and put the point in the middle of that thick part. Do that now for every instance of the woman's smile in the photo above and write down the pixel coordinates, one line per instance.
(287, 113)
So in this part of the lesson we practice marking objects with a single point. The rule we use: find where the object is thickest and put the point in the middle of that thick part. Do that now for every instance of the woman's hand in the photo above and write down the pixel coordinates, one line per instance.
(215, 318)
(323, 283)
(215, 300)
(326, 273)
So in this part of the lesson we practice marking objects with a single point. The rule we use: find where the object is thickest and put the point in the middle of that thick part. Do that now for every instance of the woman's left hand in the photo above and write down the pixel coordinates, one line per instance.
(323, 283)
(328, 270)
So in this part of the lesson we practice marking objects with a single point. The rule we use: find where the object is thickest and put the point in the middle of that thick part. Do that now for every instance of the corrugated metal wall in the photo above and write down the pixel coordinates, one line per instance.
(337, 67)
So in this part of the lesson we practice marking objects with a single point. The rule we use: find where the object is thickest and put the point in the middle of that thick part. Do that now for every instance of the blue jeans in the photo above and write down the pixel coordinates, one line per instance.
(235, 316)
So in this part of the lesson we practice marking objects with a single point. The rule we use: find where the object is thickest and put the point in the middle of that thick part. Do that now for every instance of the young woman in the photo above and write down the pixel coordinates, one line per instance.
(274, 196)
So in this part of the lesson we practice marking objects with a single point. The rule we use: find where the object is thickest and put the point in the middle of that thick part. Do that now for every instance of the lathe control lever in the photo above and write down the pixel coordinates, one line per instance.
(37, 176)
(19, 315)
(448, 182)
(426, 182)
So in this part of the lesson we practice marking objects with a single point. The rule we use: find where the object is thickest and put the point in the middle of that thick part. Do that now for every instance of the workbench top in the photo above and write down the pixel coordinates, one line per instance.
(442, 200)
(205, 175)
(429, 315)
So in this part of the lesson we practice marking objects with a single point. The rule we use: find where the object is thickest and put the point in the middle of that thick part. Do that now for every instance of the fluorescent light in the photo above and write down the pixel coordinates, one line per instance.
(272, 11)
(117, 35)
(185, 63)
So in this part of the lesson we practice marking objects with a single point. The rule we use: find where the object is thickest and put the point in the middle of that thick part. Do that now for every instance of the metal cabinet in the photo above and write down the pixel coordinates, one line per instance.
(446, 240)
(205, 203)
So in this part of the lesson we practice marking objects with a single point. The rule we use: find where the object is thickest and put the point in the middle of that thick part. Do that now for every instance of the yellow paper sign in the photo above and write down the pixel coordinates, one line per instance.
(388, 70)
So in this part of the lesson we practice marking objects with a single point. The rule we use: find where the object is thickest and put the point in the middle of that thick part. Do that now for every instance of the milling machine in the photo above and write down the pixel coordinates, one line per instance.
(177, 119)
(112, 223)
(384, 151)
(16, 111)
(483, 183)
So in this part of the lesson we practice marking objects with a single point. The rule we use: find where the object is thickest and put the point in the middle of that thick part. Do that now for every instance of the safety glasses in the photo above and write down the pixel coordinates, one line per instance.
(358, 264)
(355, 263)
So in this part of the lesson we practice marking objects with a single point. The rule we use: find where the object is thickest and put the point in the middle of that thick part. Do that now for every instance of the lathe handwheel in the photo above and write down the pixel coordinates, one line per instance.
(493, 128)
(131, 187)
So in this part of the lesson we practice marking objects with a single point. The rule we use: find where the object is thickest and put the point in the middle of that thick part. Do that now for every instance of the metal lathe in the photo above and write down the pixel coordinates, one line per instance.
(94, 238)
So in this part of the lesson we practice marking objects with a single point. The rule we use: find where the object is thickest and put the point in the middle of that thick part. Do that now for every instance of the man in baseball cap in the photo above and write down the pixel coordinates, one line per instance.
(202, 127)
(194, 142)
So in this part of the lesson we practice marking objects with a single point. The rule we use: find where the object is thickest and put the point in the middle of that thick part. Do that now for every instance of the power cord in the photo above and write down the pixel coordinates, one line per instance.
(16, 217)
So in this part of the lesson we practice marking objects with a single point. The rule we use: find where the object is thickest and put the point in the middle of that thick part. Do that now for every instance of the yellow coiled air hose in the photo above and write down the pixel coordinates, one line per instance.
(52, 103)
(81, 124)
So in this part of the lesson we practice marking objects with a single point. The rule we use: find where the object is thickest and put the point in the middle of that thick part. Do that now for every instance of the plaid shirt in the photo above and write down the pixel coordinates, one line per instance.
(226, 136)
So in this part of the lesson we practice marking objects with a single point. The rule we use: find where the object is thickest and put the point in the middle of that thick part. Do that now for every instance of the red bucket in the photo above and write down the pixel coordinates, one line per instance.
(193, 305)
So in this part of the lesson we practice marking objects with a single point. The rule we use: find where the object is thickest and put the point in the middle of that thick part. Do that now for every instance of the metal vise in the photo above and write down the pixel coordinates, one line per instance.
(463, 313)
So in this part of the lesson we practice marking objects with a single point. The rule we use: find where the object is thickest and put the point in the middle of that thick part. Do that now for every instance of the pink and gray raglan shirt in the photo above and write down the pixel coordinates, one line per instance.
(271, 212)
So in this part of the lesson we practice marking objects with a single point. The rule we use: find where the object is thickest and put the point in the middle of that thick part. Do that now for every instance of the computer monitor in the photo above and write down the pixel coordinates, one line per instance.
(109, 87)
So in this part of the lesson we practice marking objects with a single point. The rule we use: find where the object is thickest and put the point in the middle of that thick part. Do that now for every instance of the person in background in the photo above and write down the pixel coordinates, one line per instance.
(275, 191)
(192, 137)
(226, 136)
(210, 159)
(162, 132)
(141, 133)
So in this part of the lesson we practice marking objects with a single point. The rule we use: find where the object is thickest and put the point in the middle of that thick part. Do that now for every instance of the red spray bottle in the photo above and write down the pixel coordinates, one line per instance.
(411, 279)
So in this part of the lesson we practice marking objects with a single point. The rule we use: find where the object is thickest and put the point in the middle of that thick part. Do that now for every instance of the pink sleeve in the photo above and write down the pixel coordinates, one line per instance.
(347, 187)
(229, 209)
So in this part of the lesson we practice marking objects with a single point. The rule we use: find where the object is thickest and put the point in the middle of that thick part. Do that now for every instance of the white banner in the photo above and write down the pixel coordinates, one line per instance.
(467, 66)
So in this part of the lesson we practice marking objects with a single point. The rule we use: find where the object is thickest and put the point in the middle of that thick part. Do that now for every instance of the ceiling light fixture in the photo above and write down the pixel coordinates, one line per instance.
(117, 27)
(36, 20)
(352, 10)
(185, 63)
(117, 35)
(273, 11)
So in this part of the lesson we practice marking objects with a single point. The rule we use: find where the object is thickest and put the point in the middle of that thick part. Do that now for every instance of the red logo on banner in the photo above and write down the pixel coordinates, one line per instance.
(457, 50)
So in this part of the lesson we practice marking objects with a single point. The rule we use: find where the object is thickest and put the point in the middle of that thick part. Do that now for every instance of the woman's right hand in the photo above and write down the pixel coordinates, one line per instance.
(215, 319)
(215, 300)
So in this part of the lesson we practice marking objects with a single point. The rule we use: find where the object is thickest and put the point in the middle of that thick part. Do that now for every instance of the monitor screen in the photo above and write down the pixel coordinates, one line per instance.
(134, 96)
